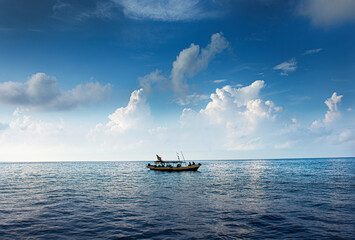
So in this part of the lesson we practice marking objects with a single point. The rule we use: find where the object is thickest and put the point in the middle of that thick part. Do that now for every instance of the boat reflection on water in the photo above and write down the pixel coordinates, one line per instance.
(173, 166)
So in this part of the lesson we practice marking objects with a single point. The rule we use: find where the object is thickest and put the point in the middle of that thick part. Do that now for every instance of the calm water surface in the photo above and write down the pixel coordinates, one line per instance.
(250, 199)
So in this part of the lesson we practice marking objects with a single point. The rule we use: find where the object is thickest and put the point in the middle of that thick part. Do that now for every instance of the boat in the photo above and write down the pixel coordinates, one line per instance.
(173, 166)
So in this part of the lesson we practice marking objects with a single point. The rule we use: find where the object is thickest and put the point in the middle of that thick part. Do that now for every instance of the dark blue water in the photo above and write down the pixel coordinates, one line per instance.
(251, 199)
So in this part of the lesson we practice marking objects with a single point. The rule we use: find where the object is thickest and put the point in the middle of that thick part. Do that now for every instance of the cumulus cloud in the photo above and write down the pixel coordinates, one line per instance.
(42, 92)
(192, 60)
(133, 116)
(130, 128)
(286, 67)
(236, 114)
(332, 103)
(327, 13)
(312, 51)
(333, 130)
(160, 10)
(230, 103)
(332, 114)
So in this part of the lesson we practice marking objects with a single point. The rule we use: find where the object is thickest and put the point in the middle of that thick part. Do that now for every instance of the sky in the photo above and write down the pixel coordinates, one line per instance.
(128, 79)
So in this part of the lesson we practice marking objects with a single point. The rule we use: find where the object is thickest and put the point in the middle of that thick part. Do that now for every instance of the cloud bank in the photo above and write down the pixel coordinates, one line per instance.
(41, 92)
(234, 120)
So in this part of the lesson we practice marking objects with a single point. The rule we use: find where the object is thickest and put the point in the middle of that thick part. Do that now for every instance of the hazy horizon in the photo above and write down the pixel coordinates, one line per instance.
(187, 160)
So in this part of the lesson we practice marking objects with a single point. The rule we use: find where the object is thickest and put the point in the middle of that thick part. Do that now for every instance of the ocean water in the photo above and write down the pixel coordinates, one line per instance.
(248, 199)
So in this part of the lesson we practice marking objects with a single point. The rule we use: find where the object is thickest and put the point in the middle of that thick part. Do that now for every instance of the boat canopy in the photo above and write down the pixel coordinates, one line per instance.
(157, 162)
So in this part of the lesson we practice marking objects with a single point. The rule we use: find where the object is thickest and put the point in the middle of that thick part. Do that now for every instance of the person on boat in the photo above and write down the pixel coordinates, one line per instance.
(193, 163)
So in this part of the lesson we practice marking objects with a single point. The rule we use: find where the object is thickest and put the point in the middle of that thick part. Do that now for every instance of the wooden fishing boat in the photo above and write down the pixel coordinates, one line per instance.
(173, 166)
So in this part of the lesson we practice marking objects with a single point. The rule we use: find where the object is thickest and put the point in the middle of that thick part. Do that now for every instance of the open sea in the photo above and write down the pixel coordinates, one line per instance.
(237, 199)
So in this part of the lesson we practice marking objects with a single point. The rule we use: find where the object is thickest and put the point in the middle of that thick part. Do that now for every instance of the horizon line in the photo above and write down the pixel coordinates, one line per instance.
(227, 159)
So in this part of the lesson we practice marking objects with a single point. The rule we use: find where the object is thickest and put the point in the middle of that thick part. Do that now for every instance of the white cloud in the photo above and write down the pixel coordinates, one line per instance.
(234, 119)
(346, 135)
(134, 115)
(343, 137)
(284, 145)
(188, 63)
(42, 92)
(235, 115)
(191, 60)
(191, 99)
(130, 128)
(185, 63)
(231, 120)
(286, 67)
(77, 12)
(327, 13)
(312, 51)
(24, 124)
(332, 103)
(332, 114)
(27, 138)
(148, 80)
(220, 81)
(160, 10)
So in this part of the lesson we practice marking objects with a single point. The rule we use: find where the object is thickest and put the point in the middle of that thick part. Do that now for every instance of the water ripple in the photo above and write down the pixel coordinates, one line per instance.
(254, 199)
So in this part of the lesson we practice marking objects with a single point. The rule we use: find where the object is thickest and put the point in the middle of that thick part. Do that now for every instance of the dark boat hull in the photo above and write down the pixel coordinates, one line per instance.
(175, 169)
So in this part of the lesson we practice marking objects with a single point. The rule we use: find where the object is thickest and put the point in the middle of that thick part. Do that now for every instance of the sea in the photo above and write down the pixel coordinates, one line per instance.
(224, 199)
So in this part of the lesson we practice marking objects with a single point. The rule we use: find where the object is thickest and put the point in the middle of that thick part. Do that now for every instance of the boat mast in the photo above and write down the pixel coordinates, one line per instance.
(183, 157)
(178, 156)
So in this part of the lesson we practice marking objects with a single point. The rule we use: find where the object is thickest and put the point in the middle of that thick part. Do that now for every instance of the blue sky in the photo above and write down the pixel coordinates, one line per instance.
(123, 80)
